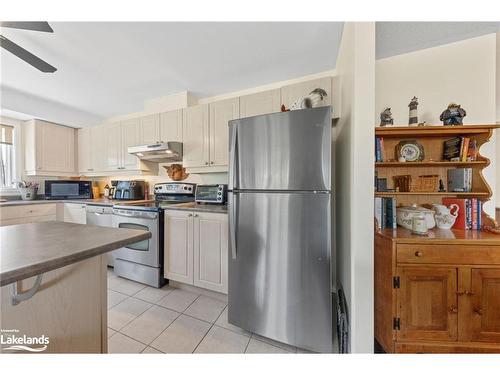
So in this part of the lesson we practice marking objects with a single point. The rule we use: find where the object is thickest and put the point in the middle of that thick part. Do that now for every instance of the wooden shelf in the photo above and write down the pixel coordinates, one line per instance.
(434, 193)
(397, 164)
(433, 130)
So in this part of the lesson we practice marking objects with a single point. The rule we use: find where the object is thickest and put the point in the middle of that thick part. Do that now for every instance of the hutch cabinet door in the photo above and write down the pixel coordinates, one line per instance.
(427, 304)
(485, 322)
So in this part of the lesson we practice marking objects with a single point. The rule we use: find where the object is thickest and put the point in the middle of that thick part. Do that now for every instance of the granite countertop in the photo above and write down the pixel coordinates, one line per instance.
(202, 207)
(96, 201)
(31, 249)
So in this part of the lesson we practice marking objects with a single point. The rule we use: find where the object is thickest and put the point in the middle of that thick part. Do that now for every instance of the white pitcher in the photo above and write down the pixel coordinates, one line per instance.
(445, 216)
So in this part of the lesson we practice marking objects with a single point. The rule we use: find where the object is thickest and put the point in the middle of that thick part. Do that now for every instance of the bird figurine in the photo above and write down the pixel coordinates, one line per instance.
(453, 115)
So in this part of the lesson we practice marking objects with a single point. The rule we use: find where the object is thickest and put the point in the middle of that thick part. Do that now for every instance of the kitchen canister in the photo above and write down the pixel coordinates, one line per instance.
(419, 225)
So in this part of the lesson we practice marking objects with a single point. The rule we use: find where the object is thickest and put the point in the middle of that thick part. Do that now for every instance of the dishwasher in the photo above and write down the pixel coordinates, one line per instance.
(101, 216)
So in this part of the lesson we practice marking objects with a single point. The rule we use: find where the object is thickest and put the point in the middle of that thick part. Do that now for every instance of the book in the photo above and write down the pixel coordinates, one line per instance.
(377, 149)
(465, 149)
(474, 213)
(461, 222)
(472, 152)
(382, 149)
(452, 148)
(460, 180)
(378, 211)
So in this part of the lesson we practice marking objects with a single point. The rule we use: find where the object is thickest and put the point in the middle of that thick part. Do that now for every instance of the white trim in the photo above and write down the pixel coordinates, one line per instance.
(18, 153)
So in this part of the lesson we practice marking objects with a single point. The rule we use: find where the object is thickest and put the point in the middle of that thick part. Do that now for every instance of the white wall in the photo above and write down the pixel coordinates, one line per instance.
(463, 72)
(497, 200)
(354, 180)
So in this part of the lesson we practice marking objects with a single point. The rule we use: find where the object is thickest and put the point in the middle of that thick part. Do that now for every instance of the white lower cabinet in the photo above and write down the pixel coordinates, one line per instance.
(74, 213)
(28, 213)
(196, 249)
(179, 246)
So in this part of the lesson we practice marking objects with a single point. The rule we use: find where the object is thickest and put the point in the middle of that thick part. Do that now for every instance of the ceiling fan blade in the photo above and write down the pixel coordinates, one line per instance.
(25, 55)
(34, 26)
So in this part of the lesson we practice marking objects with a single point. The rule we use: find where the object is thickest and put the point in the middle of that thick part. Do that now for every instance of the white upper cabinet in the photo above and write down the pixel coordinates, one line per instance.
(195, 135)
(171, 126)
(112, 146)
(260, 103)
(149, 129)
(50, 149)
(220, 114)
(84, 151)
(130, 132)
(117, 138)
(291, 93)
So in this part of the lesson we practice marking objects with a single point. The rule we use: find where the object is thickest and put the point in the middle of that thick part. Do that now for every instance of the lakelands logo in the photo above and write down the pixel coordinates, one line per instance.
(17, 342)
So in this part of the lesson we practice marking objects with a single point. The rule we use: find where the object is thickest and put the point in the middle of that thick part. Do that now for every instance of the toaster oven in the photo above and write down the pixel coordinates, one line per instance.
(211, 194)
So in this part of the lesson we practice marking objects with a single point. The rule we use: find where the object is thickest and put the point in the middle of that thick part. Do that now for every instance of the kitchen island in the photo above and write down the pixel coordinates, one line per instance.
(53, 279)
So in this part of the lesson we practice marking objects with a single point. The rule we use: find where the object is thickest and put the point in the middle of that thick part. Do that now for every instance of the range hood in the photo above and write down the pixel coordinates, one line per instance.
(160, 152)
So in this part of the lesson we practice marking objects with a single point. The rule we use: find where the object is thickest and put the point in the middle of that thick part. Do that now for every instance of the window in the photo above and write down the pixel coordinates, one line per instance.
(7, 164)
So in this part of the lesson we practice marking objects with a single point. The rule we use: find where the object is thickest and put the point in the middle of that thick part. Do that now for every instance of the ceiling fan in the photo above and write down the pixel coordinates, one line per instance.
(19, 51)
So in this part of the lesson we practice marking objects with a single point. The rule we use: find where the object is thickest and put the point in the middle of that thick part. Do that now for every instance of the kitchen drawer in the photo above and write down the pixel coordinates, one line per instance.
(29, 210)
(448, 254)
(29, 219)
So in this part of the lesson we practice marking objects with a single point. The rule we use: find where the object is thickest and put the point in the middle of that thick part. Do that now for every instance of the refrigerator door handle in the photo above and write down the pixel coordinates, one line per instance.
(233, 210)
(232, 157)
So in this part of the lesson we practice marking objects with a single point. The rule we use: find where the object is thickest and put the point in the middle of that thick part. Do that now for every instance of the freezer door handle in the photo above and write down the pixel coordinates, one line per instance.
(232, 156)
(233, 210)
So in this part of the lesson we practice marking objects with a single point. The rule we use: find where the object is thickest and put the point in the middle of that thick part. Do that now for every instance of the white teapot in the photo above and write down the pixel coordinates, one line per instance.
(445, 216)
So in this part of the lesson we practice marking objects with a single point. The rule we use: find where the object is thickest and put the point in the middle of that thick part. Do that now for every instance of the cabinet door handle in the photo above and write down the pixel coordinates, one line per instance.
(211, 162)
(478, 310)
(453, 309)
(418, 253)
(189, 215)
(195, 215)
(206, 163)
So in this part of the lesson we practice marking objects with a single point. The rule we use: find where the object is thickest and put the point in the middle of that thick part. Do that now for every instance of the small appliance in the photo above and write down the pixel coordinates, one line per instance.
(215, 193)
(143, 261)
(68, 189)
(129, 190)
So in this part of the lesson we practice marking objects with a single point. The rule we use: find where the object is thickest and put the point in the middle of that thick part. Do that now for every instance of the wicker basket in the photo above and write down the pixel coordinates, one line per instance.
(426, 184)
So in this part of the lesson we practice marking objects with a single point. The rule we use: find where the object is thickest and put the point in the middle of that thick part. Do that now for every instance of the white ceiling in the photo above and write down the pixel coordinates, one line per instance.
(395, 38)
(108, 69)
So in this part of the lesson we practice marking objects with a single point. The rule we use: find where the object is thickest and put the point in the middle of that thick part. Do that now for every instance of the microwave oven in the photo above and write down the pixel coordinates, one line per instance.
(211, 194)
(68, 189)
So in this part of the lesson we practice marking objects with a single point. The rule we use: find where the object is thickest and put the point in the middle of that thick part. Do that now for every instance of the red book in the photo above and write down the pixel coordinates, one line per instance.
(461, 222)
(474, 213)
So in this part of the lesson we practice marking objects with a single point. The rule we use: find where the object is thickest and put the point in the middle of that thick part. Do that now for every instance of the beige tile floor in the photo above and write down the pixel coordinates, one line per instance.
(142, 319)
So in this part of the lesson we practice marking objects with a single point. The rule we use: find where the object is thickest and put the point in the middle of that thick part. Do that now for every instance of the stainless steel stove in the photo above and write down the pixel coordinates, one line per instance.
(143, 261)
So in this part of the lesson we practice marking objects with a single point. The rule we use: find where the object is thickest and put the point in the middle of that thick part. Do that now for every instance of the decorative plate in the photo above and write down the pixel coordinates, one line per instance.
(410, 150)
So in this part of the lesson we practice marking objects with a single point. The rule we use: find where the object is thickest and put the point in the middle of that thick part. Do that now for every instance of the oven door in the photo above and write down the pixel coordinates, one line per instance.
(144, 252)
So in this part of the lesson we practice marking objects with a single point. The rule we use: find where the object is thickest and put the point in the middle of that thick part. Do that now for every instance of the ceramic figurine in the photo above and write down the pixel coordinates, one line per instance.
(386, 117)
(413, 111)
(453, 115)
(312, 100)
(176, 172)
(445, 216)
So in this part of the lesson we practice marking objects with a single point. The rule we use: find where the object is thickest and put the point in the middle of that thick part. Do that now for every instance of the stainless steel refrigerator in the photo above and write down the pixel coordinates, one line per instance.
(280, 227)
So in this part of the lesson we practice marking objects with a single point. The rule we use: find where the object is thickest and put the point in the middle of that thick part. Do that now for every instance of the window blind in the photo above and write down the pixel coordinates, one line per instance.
(6, 134)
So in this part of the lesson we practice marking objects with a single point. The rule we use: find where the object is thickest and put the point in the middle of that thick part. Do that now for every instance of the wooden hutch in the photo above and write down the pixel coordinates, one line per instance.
(438, 293)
